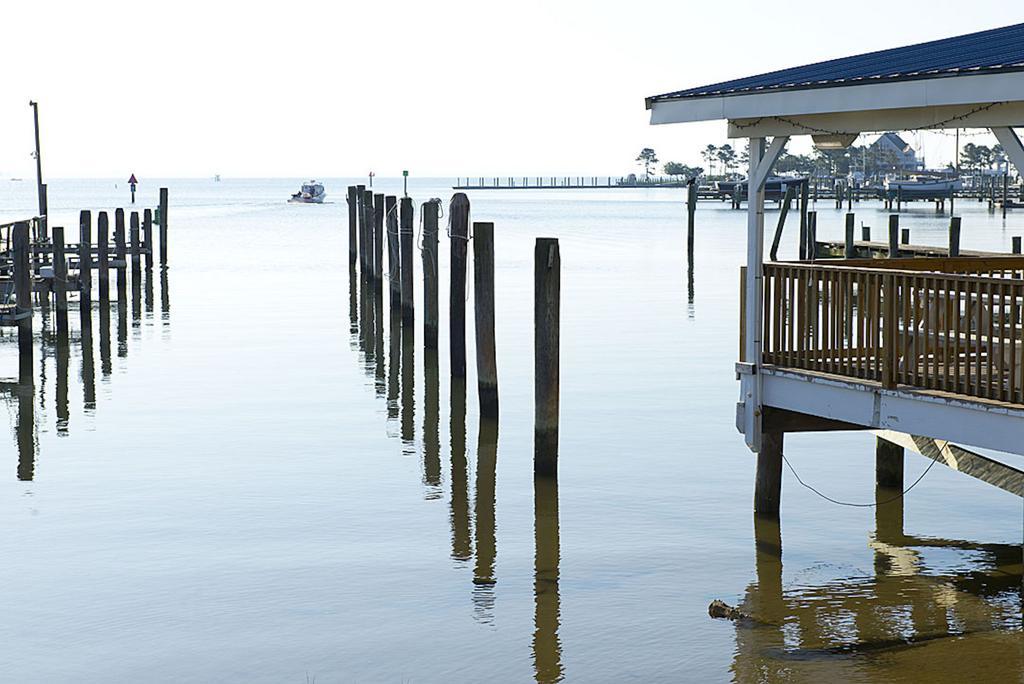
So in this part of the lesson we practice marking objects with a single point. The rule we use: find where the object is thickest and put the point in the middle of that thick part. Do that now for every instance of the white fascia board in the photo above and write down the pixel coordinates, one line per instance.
(929, 92)
(972, 423)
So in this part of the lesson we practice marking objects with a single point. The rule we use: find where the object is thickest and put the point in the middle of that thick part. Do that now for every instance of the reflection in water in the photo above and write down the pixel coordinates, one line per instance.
(431, 426)
(104, 312)
(353, 302)
(394, 349)
(136, 297)
(462, 545)
(408, 391)
(149, 291)
(378, 337)
(63, 358)
(26, 432)
(165, 296)
(88, 369)
(547, 650)
(483, 573)
(918, 614)
(122, 323)
(366, 343)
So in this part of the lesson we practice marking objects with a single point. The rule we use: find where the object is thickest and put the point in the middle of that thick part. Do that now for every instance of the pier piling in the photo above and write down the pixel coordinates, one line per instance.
(430, 279)
(103, 249)
(405, 222)
(85, 254)
(60, 283)
(378, 238)
(133, 237)
(163, 227)
(483, 300)
(394, 264)
(546, 322)
(768, 483)
(366, 236)
(888, 464)
(23, 303)
(147, 237)
(353, 240)
(1015, 241)
(954, 236)
(850, 251)
(894, 236)
(458, 213)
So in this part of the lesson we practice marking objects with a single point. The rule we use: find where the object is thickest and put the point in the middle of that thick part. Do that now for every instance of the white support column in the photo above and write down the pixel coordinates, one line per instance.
(1011, 145)
(761, 163)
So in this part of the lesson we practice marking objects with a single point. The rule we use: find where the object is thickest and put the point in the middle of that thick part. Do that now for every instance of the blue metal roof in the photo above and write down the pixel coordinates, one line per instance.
(1000, 49)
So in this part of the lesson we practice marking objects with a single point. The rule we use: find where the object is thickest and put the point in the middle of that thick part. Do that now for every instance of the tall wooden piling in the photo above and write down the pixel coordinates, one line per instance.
(850, 251)
(163, 227)
(888, 464)
(1015, 241)
(23, 291)
(405, 223)
(103, 252)
(691, 211)
(353, 240)
(483, 300)
(85, 253)
(812, 236)
(134, 241)
(120, 254)
(1006, 186)
(458, 213)
(394, 263)
(768, 481)
(147, 237)
(378, 238)
(366, 242)
(894, 236)
(954, 236)
(60, 282)
(546, 320)
(430, 298)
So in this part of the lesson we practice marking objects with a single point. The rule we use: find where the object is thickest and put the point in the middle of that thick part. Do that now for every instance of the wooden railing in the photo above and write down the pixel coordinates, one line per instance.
(948, 331)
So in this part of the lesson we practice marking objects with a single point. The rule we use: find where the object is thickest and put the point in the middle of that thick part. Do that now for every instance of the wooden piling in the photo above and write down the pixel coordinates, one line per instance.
(134, 241)
(163, 227)
(147, 237)
(85, 253)
(865, 233)
(1016, 244)
(394, 264)
(546, 318)
(103, 250)
(60, 282)
(458, 213)
(691, 211)
(888, 464)
(812, 236)
(353, 240)
(120, 253)
(850, 251)
(405, 223)
(954, 236)
(366, 242)
(430, 279)
(483, 300)
(894, 236)
(768, 481)
(361, 228)
(378, 238)
(904, 236)
(23, 291)
(1006, 186)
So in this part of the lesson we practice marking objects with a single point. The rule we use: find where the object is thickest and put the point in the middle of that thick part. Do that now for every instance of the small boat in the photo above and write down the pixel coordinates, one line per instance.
(311, 193)
(774, 187)
(922, 188)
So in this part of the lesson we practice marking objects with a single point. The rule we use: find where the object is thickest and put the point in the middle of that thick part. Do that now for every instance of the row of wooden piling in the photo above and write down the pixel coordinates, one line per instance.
(376, 218)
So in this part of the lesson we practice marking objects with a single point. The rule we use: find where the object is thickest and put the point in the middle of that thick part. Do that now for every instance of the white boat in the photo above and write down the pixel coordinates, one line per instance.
(311, 193)
(922, 188)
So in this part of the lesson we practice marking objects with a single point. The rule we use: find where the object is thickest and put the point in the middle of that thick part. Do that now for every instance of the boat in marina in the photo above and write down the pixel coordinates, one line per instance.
(922, 187)
(774, 188)
(311, 193)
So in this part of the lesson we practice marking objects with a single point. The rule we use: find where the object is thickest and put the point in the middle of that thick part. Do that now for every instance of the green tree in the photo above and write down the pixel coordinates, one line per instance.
(727, 155)
(678, 169)
(647, 159)
(709, 154)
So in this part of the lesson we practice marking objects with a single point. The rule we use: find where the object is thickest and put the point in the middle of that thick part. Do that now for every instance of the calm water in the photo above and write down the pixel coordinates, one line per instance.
(243, 475)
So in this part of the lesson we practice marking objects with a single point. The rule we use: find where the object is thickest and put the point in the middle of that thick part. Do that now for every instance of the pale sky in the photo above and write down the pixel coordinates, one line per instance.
(441, 88)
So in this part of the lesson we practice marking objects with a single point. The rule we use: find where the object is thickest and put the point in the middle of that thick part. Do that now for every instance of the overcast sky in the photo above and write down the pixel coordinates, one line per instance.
(441, 88)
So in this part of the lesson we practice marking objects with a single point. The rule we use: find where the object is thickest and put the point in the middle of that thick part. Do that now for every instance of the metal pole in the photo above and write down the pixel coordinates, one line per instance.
(39, 160)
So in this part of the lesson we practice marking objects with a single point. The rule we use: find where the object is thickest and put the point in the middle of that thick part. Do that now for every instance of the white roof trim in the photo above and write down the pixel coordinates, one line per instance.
(930, 92)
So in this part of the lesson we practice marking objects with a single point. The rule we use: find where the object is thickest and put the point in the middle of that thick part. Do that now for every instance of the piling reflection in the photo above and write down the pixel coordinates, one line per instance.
(408, 391)
(148, 285)
(136, 297)
(486, 545)
(165, 297)
(431, 425)
(26, 431)
(927, 600)
(547, 649)
(88, 375)
(104, 315)
(462, 545)
(122, 325)
(394, 352)
(63, 358)
(353, 302)
(378, 336)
